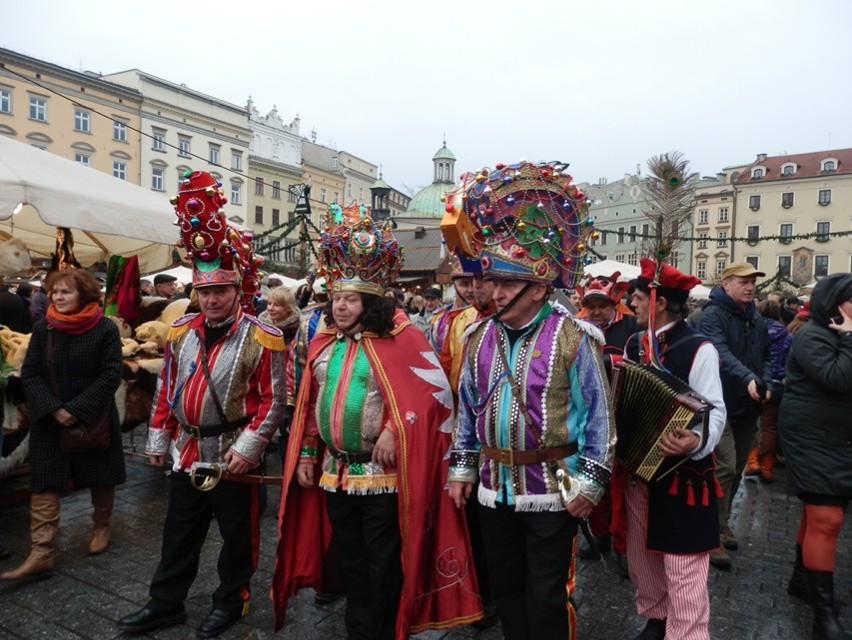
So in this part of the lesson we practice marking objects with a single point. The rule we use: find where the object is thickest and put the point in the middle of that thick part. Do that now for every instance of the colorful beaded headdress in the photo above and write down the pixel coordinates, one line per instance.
(603, 288)
(356, 254)
(220, 254)
(531, 223)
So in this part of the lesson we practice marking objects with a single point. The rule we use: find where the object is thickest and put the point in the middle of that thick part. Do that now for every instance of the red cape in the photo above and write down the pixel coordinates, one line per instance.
(439, 582)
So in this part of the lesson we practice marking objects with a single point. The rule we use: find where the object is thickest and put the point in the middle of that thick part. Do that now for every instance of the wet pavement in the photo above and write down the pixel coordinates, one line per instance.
(87, 595)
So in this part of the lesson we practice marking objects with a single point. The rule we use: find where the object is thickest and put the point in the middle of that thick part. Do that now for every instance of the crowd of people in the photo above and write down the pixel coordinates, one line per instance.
(445, 464)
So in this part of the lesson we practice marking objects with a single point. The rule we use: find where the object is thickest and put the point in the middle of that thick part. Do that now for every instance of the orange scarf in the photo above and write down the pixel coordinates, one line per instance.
(76, 323)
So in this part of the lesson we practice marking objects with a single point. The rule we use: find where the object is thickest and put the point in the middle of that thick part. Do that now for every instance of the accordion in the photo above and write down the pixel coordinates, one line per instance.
(649, 403)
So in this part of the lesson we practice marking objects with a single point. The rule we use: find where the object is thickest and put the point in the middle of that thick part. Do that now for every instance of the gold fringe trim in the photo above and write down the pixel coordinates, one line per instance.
(268, 340)
(360, 485)
(177, 332)
(446, 624)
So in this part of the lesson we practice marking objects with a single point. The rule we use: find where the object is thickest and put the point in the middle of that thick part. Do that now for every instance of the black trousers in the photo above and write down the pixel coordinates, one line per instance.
(188, 519)
(529, 558)
(366, 531)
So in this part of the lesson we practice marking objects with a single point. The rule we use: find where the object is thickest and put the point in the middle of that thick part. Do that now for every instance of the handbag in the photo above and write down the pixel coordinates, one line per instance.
(79, 438)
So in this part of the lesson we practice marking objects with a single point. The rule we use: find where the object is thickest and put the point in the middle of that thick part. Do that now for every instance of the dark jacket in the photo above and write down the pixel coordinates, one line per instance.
(780, 341)
(741, 338)
(815, 419)
(88, 372)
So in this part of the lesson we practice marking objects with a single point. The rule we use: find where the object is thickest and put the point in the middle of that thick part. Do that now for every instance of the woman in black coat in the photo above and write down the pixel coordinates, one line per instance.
(816, 434)
(86, 350)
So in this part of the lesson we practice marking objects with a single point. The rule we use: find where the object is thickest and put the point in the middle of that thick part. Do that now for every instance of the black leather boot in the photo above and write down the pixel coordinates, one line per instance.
(798, 585)
(826, 624)
(655, 629)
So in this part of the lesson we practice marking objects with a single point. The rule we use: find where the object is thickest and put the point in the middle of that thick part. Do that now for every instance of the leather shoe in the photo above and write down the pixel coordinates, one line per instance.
(217, 621)
(719, 558)
(151, 617)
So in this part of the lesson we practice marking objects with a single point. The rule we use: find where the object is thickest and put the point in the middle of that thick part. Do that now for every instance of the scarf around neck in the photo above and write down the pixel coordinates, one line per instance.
(75, 323)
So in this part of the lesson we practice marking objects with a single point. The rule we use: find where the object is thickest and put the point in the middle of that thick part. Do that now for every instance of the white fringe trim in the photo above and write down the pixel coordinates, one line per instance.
(546, 502)
(486, 497)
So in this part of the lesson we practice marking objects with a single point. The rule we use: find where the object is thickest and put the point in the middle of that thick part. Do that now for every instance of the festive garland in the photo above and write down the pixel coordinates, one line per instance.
(755, 240)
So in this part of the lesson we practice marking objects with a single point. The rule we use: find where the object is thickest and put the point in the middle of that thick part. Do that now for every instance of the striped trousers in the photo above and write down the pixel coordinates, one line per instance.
(668, 586)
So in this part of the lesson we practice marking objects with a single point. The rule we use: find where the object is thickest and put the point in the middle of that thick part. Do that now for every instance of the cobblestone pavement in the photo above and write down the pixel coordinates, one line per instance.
(87, 595)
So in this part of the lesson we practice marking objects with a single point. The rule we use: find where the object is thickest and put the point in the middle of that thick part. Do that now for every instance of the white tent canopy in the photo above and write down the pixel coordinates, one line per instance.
(107, 216)
(630, 272)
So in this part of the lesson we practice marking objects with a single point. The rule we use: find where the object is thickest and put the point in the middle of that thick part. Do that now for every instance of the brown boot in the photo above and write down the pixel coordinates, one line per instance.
(103, 499)
(767, 464)
(44, 523)
(752, 467)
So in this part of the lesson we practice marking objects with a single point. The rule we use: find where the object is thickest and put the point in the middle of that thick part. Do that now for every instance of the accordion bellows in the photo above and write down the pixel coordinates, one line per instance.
(649, 403)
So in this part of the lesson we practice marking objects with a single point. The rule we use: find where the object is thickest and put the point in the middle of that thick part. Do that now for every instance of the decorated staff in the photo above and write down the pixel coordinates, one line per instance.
(219, 399)
(371, 427)
(533, 397)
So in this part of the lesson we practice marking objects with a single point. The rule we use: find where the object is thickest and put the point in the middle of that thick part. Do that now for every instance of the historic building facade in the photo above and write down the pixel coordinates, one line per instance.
(713, 218)
(183, 130)
(76, 115)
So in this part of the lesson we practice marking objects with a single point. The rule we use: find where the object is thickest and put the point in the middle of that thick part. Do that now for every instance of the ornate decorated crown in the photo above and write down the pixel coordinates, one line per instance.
(604, 288)
(220, 254)
(356, 254)
(530, 222)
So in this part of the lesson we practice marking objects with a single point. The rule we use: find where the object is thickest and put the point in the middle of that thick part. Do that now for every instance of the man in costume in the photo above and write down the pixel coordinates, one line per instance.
(442, 318)
(601, 304)
(533, 399)
(739, 333)
(216, 402)
(672, 522)
(372, 423)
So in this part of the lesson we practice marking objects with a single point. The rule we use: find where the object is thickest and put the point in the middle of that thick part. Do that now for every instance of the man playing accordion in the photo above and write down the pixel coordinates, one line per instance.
(672, 522)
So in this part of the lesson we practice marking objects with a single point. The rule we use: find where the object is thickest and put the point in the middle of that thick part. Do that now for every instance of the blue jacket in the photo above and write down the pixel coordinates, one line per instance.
(741, 338)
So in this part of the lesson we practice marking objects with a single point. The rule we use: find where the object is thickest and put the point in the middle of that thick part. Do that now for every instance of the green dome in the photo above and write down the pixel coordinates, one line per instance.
(443, 154)
(427, 203)
(380, 184)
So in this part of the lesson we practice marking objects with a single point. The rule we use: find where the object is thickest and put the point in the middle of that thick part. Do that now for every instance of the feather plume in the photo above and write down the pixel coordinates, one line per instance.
(669, 189)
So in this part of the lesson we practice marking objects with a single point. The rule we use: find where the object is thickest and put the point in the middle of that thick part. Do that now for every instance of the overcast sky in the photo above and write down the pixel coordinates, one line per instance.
(603, 85)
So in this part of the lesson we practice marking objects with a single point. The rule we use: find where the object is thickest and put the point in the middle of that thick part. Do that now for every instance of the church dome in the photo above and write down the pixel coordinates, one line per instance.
(426, 203)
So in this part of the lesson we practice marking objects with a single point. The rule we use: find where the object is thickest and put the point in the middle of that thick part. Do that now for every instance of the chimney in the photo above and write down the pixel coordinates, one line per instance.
(601, 182)
(761, 157)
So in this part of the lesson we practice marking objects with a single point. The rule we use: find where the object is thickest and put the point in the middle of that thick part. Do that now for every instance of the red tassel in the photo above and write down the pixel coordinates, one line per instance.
(690, 494)
(705, 495)
(674, 486)
(719, 492)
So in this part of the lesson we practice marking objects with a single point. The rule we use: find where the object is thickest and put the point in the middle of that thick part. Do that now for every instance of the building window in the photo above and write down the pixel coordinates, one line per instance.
(753, 261)
(620, 235)
(236, 160)
(754, 203)
(158, 140)
(5, 101)
(788, 170)
(236, 193)
(646, 231)
(336, 197)
(83, 158)
(158, 179)
(753, 234)
(604, 234)
(119, 170)
(335, 162)
(702, 240)
(720, 266)
(619, 257)
(723, 214)
(38, 109)
(823, 230)
(786, 233)
(784, 265)
(757, 173)
(276, 189)
(820, 266)
(701, 269)
(291, 195)
(829, 165)
(119, 131)
(322, 195)
(632, 233)
(214, 153)
(703, 216)
(258, 215)
(291, 215)
(631, 259)
(787, 199)
(258, 186)
(824, 197)
(276, 217)
(722, 240)
(184, 146)
(82, 121)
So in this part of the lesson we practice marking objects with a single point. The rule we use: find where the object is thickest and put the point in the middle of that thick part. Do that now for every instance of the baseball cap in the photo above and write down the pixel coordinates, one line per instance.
(741, 269)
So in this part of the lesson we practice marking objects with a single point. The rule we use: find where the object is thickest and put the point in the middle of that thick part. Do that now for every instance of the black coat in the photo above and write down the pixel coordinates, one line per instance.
(741, 338)
(88, 372)
(815, 419)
